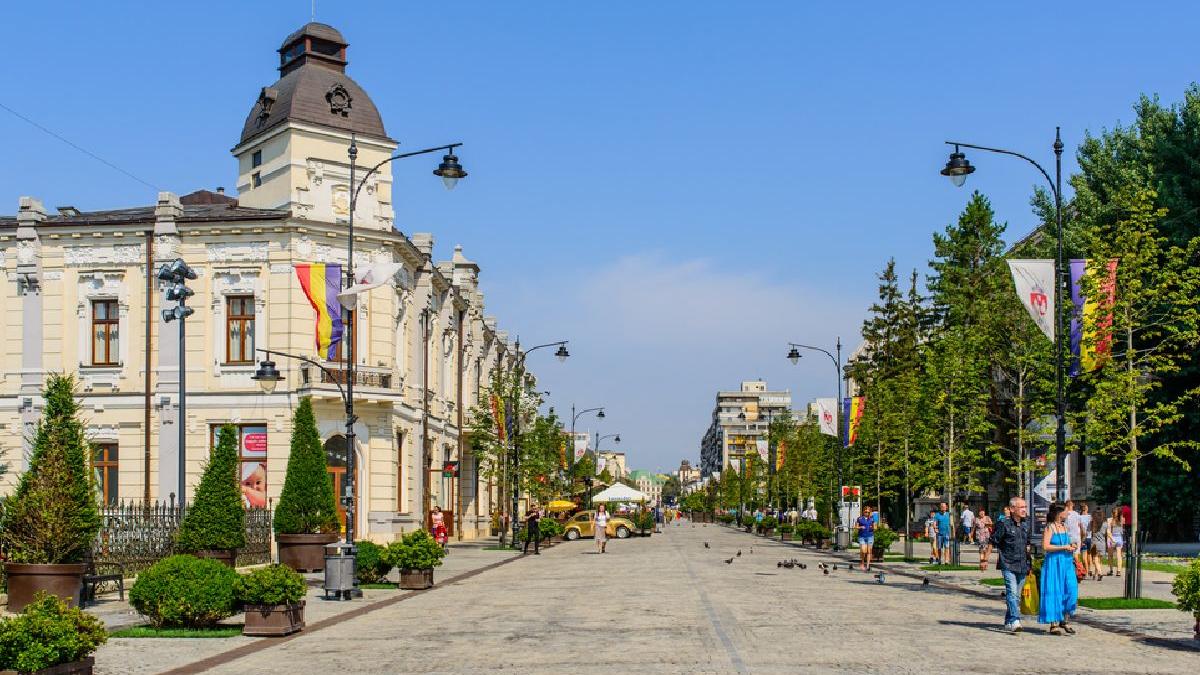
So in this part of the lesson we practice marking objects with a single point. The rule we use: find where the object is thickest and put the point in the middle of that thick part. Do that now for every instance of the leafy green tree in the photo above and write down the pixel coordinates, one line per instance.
(307, 504)
(216, 520)
(53, 517)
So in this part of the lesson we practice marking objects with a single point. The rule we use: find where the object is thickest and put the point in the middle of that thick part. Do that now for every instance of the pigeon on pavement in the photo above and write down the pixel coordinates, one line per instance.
(706, 545)
(729, 561)
(825, 572)
(739, 553)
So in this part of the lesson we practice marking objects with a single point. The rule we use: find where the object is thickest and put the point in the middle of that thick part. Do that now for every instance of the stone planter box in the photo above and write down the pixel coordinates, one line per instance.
(416, 580)
(25, 580)
(304, 552)
(225, 556)
(80, 667)
(767, 532)
(787, 536)
(273, 620)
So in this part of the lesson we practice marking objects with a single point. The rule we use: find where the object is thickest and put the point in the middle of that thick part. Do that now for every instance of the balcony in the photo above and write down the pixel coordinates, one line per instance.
(364, 376)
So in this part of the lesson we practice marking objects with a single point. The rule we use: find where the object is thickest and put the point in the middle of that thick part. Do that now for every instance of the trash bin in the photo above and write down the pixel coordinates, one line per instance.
(340, 573)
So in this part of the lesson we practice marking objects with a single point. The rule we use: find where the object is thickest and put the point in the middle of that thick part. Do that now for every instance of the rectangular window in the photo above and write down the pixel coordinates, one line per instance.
(400, 471)
(239, 329)
(256, 179)
(252, 461)
(105, 333)
(348, 326)
(104, 469)
(256, 159)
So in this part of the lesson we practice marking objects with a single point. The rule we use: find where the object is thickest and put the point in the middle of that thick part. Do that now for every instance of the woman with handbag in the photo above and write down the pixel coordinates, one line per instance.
(1059, 586)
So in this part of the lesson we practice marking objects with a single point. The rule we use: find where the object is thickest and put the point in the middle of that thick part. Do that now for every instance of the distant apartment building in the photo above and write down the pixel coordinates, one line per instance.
(649, 484)
(687, 474)
(614, 462)
(739, 420)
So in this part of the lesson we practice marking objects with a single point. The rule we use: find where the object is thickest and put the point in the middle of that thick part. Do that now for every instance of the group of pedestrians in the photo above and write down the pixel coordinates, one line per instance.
(1058, 585)
(938, 529)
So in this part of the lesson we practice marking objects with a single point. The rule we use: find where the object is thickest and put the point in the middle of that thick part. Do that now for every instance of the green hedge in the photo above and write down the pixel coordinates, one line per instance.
(372, 565)
(416, 550)
(270, 585)
(185, 591)
(46, 634)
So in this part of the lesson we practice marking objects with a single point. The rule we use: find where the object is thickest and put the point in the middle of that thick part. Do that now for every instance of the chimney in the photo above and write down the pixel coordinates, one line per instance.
(423, 241)
(166, 212)
(220, 190)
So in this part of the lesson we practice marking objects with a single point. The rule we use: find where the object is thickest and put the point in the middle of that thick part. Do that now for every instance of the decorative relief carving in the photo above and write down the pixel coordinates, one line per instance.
(340, 197)
(117, 254)
(251, 251)
(26, 252)
(165, 246)
(339, 100)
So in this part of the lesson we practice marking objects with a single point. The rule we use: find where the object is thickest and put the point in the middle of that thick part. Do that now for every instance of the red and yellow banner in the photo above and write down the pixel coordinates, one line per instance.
(853, 407)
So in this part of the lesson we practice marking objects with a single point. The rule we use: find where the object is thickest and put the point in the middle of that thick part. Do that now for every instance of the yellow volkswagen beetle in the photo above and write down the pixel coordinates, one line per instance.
(583, 524)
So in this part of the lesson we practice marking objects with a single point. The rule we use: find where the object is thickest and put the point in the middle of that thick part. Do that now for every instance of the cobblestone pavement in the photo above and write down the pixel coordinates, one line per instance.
(669, 605)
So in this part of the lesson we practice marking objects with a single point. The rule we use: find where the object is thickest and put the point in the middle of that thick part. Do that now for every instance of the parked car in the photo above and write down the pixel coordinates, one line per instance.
(583, 524)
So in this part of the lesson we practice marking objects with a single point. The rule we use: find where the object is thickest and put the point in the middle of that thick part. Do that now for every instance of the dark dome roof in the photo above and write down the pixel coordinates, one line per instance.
(314, 89)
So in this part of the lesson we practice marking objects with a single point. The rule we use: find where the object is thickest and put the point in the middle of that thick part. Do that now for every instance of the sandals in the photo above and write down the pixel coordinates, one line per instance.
(1068, 629)
(1054, 630)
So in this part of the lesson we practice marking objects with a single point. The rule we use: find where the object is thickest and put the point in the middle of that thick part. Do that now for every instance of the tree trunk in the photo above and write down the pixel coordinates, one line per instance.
(1133, 492)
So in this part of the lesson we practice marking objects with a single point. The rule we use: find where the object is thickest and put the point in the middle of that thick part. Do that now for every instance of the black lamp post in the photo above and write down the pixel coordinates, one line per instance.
(574, 418)
(518, 367)
(957, 169)
(794, 356)
(177, 273)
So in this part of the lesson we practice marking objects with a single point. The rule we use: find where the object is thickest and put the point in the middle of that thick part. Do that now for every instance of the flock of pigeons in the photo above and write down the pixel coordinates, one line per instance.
(826, 568)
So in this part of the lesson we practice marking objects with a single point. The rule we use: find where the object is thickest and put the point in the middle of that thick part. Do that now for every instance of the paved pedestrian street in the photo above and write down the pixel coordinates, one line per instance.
(666, 604)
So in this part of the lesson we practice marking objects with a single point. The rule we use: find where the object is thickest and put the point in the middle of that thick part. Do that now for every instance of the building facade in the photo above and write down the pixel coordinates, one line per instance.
(648, 484)
(79, 295)
(739, 420)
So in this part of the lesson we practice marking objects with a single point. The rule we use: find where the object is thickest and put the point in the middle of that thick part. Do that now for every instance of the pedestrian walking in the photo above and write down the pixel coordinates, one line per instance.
(1005, 515)
(1073, 524)
(1011, 540)
(1116, 540)
(533, 531)
(967, 520)
(437, 526)
(931, 533)
(1098, 550)
(983, 535)
(601, 528)
(866, 538)
(944, 530)
(1059, 587)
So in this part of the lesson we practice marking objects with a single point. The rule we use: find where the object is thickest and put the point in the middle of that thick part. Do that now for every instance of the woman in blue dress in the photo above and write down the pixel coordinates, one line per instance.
(1059, 587)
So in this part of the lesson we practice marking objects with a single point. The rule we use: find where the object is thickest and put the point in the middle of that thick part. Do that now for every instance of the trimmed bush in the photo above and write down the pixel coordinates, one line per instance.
(307, 504)
(549, 527)
(415, 551)
(184, 591)
(217, 519)
(785, 529)
(1186, 589)
(885, 537)
(270, 585)
(643, 520)
(46, 634)
(372, 563)
(768, 523)
(53, 518)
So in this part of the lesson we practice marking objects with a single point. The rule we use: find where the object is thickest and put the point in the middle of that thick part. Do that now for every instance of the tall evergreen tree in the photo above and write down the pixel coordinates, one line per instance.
(216, 520)
(307, 504)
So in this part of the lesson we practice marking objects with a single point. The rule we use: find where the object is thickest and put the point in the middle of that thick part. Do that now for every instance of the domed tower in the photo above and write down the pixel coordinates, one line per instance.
(292, 153)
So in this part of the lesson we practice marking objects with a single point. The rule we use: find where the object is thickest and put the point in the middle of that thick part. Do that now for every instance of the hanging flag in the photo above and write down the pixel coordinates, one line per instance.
(562, 452)
(320, 283)
(498, 415)
(600, 465)
(580, 448)
(760, 445)
(1091, 320)
(780, 454)
(1034, 280)
(373, 276)
(826, 410)
(852, 408)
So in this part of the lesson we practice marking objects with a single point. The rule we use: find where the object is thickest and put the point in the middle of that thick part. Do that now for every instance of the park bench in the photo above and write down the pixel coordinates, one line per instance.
(99, 572)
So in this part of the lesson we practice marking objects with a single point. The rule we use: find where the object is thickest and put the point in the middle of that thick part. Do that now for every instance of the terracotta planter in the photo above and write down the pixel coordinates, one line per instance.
(786, 536)
(304, 552)
(80, 667)
(273, 620)
(25, 580)
(226, 556)
(416, 580)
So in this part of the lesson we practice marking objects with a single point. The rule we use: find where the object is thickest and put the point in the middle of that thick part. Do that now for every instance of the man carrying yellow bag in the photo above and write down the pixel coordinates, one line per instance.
(1011, 541)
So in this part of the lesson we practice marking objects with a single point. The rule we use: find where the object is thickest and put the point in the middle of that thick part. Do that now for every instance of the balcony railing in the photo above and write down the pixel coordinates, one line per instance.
(364, 376)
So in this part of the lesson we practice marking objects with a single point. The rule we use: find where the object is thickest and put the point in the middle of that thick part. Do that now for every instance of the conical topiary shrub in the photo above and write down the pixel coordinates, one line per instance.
(53, 517)
(216, 519)
(306, 505)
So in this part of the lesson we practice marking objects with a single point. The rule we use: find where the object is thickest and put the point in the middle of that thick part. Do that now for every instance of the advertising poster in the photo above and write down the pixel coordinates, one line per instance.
(254, 466)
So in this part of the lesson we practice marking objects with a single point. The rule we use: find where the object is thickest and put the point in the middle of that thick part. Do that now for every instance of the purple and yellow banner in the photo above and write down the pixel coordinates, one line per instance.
(852, 407)
(1091, 318)
(321, 284)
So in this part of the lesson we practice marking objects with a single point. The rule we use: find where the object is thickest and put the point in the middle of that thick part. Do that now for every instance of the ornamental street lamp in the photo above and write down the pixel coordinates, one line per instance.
(957, 169)
(574, 418)
(843, 534)
(177, 273)
(518, 367)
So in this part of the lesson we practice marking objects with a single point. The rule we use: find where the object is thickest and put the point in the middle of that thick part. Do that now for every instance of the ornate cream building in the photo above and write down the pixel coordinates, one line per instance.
(79, 295)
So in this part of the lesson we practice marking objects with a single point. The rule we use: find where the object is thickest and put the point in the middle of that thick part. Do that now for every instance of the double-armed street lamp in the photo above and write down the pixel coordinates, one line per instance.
(957, 169)
(177, 273)
(843, 534)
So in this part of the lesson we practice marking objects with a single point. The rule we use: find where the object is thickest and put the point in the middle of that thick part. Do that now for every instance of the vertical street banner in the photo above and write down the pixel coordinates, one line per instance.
(760, 446)
(600, 463)
(321, 283)
(780, 453)
(580, 448)
(1034, 280)
(852, 407)
(562, 452)
(498, 415)
(826, 410)
(1091, 318)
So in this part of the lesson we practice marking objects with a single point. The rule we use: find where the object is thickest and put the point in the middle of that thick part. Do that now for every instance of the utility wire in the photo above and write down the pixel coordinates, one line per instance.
(83, 150)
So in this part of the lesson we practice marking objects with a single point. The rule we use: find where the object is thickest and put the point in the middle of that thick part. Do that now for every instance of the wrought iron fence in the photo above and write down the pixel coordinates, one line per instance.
(138, 534)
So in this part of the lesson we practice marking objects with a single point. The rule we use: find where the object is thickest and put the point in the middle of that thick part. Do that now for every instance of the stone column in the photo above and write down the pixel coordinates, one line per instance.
(29, 287)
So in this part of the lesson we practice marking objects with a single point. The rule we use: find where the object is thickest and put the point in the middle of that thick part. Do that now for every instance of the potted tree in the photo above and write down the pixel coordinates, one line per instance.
(214, 526)
(415, 555)
(305, 519)
(884, 538)
(767, 527)
(1187, 593)
(273, 599)
(52, 519)
(785, 532)
(50, 638)
(372, 564)
(183, 591)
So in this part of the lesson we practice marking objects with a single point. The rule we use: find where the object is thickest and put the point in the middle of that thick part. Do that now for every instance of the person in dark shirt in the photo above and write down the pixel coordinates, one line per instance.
(532, 531)
(1011, 540)
(866, 537)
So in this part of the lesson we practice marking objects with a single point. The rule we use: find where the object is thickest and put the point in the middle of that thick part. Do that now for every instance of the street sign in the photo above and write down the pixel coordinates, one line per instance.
(449, 469)
(852, 493)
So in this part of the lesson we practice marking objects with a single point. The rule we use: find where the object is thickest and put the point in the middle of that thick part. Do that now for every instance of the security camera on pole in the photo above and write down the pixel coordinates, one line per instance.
(176, 274)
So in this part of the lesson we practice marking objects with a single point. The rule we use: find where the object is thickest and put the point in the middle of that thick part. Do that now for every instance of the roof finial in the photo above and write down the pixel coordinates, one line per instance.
(314, 10)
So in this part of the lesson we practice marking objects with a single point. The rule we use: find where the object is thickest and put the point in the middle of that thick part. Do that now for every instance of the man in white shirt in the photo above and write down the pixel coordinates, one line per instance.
(967, 520)
(1073, 529)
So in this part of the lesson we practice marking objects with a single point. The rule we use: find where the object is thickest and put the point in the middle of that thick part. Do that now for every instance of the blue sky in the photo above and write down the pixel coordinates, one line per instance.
(679, 188)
